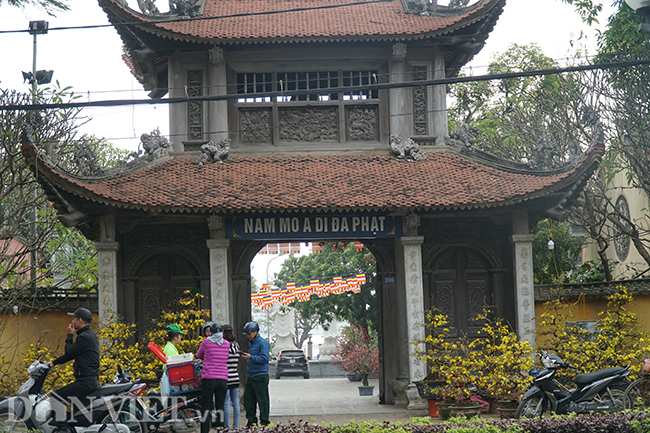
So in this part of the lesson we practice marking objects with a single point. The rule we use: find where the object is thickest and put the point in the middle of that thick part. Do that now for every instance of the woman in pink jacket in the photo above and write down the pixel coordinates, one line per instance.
(214, 376)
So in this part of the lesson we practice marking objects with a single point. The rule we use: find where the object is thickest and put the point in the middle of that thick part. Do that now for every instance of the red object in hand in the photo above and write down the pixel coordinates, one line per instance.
(157, 351)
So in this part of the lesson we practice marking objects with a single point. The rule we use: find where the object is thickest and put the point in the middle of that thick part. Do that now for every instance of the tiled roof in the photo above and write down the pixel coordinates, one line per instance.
(601, 290)
(244, 21)
(444, 180)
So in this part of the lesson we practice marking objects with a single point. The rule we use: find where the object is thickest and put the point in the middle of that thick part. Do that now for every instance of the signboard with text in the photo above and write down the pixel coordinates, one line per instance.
(282, 226)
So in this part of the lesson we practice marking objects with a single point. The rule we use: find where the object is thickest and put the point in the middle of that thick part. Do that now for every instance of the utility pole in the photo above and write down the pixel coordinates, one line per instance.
(35, 28)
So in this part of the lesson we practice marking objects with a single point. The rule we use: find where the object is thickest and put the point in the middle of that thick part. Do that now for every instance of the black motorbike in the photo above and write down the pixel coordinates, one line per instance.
(107, 409)
(600, 391)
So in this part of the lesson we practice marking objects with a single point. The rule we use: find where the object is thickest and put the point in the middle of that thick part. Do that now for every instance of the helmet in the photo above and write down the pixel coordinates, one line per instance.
(250, 327)
(214, 327)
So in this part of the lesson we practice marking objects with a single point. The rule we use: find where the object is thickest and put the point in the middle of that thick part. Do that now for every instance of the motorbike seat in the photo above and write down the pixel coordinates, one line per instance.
(583, 379)
(110, 389)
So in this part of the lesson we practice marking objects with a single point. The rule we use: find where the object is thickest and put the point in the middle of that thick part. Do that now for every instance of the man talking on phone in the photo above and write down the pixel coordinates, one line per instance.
(256, 392)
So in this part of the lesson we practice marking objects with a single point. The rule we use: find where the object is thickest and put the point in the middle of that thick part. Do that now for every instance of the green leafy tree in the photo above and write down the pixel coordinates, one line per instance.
(49, 6)
(514, 115)
(330, 262)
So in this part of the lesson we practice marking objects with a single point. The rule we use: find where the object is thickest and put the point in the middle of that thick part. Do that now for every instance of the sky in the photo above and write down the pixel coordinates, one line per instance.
(90, 61)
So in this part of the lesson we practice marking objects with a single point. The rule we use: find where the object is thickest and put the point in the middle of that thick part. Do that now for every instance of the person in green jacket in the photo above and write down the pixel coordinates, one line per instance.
(174, 337)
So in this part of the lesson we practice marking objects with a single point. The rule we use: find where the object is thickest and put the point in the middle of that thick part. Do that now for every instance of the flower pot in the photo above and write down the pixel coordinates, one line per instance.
(466, 411)
(444, 410)
(430, 389)
(507, 412)
(433, 407)
(366, 390)
(507, 404)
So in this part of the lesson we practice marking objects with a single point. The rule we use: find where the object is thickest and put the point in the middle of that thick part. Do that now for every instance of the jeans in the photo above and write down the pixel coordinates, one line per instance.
(232, 397)
(212, 388)
(257, 393)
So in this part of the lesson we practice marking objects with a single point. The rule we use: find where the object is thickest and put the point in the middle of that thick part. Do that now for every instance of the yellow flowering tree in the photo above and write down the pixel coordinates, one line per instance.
(494, 365)
(189, 316)
(618, 340)
(435, 344)
(117, 347)
(504, 359)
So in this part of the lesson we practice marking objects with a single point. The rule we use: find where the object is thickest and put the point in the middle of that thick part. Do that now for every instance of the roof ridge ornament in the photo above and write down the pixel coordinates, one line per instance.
(214, 150)
(463, 137)
(405, 149)
(182, 8)
(431, 7)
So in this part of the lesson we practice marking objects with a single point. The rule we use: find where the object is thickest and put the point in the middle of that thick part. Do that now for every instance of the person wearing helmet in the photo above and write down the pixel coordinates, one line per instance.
(205, 329)
(256, 391)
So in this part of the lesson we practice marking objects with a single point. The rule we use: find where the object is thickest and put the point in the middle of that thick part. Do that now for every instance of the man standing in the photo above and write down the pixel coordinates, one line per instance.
(256, 392)
(85, 352)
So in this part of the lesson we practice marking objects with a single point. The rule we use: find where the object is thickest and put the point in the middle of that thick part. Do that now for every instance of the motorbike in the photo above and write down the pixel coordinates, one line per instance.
(600, 391)
(107, 409)
(173, 414)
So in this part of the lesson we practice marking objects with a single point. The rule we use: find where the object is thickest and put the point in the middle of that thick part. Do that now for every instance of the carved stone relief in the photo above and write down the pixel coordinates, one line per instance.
(219, 280)
(524, 286)
(195, 108)
(255, 126)
(414, 302)
(309, 124)
(420, 111)
(399, 52)
(362, 123)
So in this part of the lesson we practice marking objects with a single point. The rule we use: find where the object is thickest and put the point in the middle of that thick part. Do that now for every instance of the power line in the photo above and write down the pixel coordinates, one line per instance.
(346, 89)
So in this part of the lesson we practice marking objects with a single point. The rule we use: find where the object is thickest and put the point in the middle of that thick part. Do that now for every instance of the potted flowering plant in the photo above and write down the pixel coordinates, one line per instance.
(436, 347)
(357, 350)
(504, 363)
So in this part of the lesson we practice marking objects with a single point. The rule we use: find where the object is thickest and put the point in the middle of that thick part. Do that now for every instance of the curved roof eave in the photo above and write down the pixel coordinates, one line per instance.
(567, 185)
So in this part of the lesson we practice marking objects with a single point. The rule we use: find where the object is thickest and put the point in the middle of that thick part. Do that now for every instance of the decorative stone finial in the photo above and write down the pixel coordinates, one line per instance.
(405, 149)
(215, 150)
(463, 137)
(154, 145)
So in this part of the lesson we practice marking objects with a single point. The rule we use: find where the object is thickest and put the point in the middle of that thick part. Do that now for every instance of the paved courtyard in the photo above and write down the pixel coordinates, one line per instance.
(334, 400)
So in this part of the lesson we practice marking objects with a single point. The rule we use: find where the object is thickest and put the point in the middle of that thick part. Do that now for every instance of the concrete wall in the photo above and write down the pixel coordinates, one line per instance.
(20, 330)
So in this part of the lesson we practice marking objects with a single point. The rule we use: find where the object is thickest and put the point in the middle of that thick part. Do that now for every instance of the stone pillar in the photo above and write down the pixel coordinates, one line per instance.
(107, 279)
(219, 276)
(439, 99)
(414, 300)
(523, 268)
(401, 99)
(217, 110)
(413, 277)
